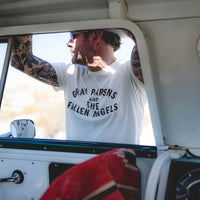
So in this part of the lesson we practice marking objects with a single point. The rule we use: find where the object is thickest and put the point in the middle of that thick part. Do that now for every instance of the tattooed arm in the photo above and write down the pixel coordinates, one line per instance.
(24, 60)
(135, 59)
(135, 63)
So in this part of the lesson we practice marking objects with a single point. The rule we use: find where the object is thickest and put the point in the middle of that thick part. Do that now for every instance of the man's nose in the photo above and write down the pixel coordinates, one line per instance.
(69, 44)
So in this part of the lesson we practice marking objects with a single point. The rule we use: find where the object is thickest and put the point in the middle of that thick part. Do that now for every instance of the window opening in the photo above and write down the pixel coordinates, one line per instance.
(27, 98)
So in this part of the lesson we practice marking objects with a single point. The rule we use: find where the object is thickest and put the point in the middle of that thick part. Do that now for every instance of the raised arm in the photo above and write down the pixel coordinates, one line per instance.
(135, 63)
(135, 59)
(25, 61)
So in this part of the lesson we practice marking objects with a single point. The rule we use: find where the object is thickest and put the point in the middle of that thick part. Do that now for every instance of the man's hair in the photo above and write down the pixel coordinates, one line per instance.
(110, 38)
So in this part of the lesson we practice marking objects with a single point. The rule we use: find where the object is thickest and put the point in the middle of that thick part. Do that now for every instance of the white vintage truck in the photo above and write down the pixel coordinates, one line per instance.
(167, 33)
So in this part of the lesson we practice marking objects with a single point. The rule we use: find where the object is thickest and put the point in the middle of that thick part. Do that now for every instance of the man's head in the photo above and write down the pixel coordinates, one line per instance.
(109, 37)
(84, 45)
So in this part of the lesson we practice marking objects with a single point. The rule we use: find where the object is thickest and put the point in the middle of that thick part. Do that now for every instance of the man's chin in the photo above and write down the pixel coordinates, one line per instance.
(78, 61)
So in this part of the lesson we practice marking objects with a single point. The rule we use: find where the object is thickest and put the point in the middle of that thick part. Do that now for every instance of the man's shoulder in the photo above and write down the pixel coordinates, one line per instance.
(120, 63)
(66, 66)
(122, 66)
(61, 64)
(58, 66)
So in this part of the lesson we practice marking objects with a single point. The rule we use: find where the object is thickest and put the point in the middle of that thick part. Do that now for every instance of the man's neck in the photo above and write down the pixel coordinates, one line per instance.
(98, 63)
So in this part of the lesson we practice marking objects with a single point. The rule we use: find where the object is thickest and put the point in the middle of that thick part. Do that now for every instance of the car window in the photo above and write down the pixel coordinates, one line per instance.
(3, 46)
(4, 63)
(27, 98)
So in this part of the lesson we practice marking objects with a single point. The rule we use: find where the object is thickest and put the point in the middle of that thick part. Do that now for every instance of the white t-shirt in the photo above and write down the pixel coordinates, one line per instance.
(104, 106)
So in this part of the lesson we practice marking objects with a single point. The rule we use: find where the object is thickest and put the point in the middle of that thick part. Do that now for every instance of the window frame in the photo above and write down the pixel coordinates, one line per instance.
(98, 24)
(5, 65)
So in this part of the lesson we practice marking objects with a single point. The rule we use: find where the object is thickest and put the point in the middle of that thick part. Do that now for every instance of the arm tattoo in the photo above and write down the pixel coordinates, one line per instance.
(135, 60)
(135, 63)
(24, 60)
(45, 73)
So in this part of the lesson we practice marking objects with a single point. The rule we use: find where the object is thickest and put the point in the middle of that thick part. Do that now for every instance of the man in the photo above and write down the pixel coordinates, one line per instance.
(104, 98)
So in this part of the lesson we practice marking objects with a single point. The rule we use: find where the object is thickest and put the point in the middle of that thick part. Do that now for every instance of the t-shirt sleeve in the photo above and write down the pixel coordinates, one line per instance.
(139, 85)
(60, 69)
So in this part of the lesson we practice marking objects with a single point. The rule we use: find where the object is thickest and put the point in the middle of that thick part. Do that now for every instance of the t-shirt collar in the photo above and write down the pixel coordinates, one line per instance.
(107, 70)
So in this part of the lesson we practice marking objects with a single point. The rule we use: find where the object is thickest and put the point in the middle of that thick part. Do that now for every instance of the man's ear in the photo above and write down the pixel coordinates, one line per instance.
(95, 37)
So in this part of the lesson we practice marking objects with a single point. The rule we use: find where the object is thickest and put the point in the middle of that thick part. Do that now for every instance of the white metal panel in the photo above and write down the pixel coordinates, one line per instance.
(28, 12)
(176, 74)
(162, 9)
(35, 167)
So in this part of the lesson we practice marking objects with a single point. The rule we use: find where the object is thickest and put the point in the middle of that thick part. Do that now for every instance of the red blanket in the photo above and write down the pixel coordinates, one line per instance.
(109, 176)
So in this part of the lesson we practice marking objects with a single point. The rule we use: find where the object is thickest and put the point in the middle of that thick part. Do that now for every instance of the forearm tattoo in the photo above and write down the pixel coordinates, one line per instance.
(135, 62)
(24, 60)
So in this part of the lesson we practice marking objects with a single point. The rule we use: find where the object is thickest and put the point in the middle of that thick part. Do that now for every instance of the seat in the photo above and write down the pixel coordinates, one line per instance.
(111, 175)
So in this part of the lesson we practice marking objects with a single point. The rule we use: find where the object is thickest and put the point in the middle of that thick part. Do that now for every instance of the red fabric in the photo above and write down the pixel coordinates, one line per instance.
(93, 178)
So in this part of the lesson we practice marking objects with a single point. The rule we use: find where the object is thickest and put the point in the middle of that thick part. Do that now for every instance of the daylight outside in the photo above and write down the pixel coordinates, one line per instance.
(26, 98)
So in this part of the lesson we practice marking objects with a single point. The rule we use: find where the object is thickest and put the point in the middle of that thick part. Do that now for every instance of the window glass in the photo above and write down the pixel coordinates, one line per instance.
(27, 98)
(3, 47)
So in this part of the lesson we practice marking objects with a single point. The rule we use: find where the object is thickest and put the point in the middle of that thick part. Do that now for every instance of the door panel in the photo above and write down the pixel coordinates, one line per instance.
(35, 160)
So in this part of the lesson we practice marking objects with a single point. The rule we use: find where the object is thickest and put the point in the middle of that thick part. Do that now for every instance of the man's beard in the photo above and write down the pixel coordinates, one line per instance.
(78, 61)
(81, 60)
